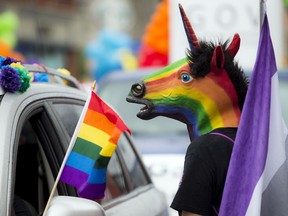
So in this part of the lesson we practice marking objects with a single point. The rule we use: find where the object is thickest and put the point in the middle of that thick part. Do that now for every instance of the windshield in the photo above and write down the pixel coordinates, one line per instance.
(115, 93)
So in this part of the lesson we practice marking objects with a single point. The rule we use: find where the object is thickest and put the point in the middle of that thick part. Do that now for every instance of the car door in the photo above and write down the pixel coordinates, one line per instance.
(128, 182)
(19, 115)
(40, 145)
(43, 132)
(143, 198)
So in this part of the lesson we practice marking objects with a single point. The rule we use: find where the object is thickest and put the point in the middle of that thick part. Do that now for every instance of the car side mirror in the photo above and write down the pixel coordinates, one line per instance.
(74, 206)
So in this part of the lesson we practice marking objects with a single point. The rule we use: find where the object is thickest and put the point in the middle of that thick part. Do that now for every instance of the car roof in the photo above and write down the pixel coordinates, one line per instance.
(54, 76)
(125, 75)
(40, 91)
(141, 72)
(55, 79)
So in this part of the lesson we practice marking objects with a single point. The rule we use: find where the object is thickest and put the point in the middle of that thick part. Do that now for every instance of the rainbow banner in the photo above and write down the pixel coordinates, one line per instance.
(94, 142)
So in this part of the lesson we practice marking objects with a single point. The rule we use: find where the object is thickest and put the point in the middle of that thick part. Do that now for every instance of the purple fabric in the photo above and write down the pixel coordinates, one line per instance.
(73, 176)
(92, 191)
(79, 179)
(250, 148)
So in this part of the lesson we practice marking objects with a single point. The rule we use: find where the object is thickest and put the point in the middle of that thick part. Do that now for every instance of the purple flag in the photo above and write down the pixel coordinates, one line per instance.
(257, 179)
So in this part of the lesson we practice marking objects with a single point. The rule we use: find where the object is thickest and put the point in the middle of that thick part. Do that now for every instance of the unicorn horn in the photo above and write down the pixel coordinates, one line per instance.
(192, 39)
(234, 45)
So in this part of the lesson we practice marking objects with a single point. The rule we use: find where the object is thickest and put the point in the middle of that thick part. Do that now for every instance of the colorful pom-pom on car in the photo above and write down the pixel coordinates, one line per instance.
(13, 76)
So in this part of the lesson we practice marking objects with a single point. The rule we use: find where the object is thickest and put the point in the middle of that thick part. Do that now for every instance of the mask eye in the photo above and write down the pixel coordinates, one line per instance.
(185, 77)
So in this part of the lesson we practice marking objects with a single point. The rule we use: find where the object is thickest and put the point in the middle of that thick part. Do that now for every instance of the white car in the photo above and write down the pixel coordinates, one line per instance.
(35, 130)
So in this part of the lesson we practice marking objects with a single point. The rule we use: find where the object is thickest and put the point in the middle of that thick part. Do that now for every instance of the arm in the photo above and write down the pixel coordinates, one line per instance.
(184, 213)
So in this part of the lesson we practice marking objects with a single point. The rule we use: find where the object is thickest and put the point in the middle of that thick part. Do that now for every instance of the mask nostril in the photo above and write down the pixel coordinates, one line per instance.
(138, 89)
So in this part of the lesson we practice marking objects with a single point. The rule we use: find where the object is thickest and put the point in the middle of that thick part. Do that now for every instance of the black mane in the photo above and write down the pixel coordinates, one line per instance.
(200, 66)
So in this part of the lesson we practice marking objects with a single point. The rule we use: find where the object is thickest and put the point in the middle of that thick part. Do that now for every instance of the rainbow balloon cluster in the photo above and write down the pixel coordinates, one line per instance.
(13, 75)
(108, 53)
(9, 23)
(155, 42)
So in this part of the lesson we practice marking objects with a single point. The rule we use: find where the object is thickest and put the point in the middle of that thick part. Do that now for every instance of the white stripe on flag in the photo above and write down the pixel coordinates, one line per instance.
(276, 155)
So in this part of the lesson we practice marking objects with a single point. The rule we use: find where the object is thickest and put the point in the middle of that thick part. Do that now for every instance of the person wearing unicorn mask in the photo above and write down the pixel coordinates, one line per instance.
(206, 91)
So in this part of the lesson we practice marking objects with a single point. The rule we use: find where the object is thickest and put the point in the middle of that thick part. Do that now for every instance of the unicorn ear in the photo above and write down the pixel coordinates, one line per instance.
(218, 60)
(192, 39)
(234, 45)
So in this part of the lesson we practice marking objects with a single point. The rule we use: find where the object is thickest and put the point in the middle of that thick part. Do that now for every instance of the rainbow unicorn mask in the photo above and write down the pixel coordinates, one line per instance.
(205, 90)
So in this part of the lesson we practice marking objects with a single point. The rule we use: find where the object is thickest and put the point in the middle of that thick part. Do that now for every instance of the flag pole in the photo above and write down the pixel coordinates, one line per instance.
(93, 85)
(262, 11)
(70, 147)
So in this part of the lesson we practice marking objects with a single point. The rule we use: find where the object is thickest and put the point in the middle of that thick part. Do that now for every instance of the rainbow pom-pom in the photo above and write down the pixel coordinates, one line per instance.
(13, 76)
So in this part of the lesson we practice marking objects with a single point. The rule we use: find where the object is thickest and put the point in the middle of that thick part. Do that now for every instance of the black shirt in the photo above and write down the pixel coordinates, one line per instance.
(206, 164)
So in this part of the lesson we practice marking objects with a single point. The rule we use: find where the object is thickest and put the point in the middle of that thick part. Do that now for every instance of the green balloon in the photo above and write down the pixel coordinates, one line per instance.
(8, 21)
(9, 38)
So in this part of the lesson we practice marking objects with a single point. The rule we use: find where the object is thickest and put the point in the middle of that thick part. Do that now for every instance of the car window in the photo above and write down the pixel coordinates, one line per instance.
(69, 115)
(39, 157)
(115, 185)
(135, 168)
(31, 188)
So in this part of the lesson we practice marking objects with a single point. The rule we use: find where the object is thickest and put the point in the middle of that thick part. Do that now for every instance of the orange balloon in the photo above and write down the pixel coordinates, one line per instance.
(156, 35)
(6, 51)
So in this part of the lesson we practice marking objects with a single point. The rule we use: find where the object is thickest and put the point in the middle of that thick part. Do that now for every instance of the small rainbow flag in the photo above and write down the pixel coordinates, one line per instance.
(94, 142)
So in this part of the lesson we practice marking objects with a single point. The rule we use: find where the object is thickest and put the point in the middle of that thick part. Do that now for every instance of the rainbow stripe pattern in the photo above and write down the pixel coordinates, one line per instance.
(206, 103)
(97, 133)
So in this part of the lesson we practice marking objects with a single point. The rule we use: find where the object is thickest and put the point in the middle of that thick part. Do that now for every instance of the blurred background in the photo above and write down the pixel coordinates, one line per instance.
(94, 39)
(99, 36)
(69, 33)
